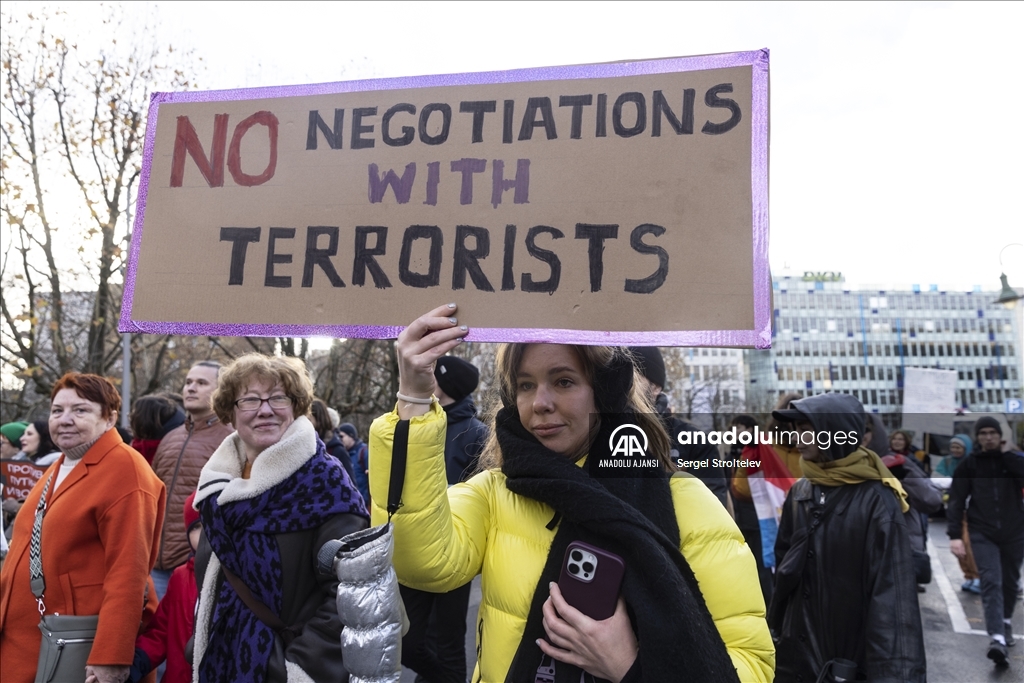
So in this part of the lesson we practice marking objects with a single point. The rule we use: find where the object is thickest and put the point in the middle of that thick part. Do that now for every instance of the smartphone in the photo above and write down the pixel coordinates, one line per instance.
(591, 579)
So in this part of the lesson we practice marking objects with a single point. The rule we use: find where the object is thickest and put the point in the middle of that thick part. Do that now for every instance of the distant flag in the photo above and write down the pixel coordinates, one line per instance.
(769, 485)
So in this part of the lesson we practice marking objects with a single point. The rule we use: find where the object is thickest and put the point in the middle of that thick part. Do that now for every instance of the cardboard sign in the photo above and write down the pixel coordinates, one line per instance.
(19, 476)
(929, 400)
(612, 203)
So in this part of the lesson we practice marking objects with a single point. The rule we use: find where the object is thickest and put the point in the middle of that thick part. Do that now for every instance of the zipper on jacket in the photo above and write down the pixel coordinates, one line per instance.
(479, 649)
(170, 490)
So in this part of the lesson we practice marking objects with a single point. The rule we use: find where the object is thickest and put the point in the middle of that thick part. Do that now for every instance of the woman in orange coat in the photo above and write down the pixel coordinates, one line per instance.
(99, 538)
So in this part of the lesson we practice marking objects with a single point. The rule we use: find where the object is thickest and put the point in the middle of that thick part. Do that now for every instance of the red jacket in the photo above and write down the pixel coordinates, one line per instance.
(99, 544)
(171, 627)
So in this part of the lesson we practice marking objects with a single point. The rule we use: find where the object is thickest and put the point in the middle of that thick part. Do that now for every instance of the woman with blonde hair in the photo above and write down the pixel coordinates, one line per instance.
(689, 600)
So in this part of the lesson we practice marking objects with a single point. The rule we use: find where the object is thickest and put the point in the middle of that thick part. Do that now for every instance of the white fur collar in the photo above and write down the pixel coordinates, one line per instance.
(223, 471)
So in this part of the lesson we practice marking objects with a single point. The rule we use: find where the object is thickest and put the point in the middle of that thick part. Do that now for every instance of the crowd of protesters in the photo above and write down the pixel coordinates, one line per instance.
(197, 541)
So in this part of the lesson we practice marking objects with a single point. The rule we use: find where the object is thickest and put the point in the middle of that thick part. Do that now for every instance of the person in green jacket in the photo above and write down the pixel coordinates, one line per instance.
(689, 599)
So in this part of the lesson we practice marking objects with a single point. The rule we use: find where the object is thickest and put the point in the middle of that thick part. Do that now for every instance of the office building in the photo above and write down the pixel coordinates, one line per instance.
(828, 337)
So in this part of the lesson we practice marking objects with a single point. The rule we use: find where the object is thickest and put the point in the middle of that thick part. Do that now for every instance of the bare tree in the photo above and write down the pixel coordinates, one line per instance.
(701, 389)
(73, 127)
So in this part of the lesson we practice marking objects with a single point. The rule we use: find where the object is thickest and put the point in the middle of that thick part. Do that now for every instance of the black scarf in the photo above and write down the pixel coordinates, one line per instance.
(634, 518)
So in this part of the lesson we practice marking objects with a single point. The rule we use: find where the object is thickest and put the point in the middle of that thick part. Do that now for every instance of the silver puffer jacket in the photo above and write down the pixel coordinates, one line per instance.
(369, 605)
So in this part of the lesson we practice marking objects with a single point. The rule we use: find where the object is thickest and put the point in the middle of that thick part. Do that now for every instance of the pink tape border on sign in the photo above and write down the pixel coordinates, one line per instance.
(759, 337)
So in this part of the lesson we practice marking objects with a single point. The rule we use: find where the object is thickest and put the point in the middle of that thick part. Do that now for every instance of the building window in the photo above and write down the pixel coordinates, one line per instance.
(844, 373)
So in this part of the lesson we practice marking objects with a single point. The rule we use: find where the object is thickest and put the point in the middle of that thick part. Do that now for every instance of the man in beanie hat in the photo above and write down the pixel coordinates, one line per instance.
(359, 455)
(651, 364)
(845, 604)
(456, 381)
(991, 479)
(435, 646)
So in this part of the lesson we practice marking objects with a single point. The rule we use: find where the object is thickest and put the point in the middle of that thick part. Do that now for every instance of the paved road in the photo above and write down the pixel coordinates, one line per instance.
(954, 631)
(954, 626)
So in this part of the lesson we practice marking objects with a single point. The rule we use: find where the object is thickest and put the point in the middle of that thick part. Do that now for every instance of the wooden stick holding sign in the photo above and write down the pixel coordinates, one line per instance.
(610, 203)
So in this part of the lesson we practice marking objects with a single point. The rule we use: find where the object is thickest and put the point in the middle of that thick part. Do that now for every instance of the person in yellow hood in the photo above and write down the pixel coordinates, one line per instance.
(689, 600)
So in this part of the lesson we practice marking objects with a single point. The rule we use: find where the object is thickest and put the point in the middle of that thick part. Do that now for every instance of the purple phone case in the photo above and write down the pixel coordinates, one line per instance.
(597, 598)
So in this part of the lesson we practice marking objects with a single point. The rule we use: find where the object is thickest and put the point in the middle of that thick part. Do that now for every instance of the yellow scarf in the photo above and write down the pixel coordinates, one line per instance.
(861, 465)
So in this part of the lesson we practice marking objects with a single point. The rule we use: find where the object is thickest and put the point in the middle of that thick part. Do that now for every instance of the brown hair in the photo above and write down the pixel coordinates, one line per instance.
(291, 373)
(321, 418)
(92, 388)
(909, 446)
(150, 414)
(592, 358)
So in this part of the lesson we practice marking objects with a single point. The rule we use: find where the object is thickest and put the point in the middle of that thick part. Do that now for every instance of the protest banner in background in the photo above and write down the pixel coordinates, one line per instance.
(929, 400)
(611, 203)
(19, 476)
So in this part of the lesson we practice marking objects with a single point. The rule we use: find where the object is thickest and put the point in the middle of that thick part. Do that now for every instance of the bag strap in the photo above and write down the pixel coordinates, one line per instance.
(35, 553)
(262, 612)
(399, 458)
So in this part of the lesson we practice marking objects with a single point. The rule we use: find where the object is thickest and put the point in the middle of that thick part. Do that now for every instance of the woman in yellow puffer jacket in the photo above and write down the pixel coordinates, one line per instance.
(690, 607)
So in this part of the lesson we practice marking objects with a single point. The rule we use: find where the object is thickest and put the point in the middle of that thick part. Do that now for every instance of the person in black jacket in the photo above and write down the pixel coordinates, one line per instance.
(651, 364)
(435, 646)
(845, 602)
(991, 480)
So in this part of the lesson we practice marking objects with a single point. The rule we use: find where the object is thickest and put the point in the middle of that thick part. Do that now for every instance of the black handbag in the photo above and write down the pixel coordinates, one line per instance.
(67, 639)
(922, 567)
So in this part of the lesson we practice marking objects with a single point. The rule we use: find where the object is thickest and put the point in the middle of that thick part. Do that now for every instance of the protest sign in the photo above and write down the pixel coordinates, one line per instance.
(610, 203)
(19, 476)
(929, 400)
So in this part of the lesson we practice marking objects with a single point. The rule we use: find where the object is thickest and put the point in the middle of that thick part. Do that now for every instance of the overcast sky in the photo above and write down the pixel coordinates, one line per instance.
(896, 142)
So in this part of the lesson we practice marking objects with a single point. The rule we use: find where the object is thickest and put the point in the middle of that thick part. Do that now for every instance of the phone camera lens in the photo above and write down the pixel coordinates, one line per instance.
(587, 567)
(574, 569)
(576, 555)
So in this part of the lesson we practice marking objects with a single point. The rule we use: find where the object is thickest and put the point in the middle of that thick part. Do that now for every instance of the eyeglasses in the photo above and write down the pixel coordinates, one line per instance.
(251, 404)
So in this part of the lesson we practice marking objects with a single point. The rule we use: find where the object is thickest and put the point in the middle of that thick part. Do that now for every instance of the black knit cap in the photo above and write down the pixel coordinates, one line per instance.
(987, 421)
(456, 378)
(650, 363)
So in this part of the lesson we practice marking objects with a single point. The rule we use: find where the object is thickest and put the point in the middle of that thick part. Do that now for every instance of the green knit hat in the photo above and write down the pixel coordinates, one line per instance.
(12, 431)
